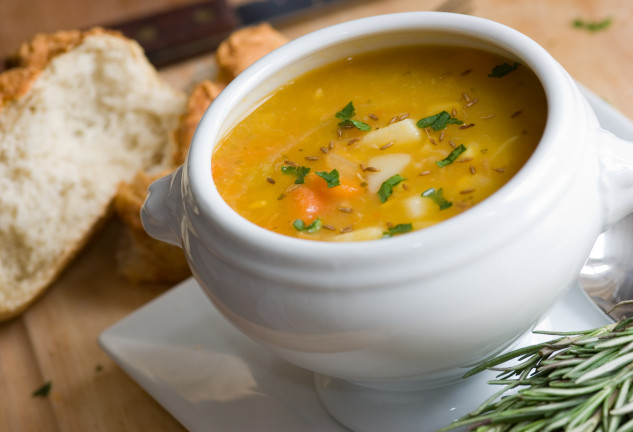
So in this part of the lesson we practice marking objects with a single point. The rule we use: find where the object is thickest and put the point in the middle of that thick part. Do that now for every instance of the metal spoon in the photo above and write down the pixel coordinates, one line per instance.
(607, 276)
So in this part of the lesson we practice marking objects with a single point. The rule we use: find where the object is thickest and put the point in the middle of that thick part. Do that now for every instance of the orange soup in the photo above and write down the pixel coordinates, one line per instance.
(381, 144)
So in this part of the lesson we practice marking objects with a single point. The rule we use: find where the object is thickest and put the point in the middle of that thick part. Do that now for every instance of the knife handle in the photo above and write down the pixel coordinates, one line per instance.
(177, 34)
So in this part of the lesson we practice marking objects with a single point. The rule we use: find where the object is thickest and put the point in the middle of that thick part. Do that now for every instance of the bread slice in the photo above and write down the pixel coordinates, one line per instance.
(80, 113)
(141, 258)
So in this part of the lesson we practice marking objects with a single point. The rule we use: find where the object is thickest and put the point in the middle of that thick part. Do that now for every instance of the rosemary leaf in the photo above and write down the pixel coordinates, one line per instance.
(626, 427)
(535, 426)
(606, 407)
(510, 415)
(614, 419)
(584, 411)
(556, 363)
(564, 391)
(597, 359)
(624, 409)
(626, 323)
(588, 426)
(615, 342)
(504, 358)
(627, 348)
(607, 367)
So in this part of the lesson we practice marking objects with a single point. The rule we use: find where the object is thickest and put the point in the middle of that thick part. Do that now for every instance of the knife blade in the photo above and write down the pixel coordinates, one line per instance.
(177, 34)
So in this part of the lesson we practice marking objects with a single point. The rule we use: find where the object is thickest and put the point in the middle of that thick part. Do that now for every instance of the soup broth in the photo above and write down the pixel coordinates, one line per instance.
(381, 144)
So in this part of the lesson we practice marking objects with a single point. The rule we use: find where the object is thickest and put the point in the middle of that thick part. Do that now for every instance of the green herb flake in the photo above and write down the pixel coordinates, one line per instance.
(44, 390)
(386, 189)
(438, 121)
(451, 157)
(398, 229)
(301, 226)
(503, 69)
(438, 197)
(346, 115)
(347, 112)
(592, 26)
(331, 177)
(299, 171)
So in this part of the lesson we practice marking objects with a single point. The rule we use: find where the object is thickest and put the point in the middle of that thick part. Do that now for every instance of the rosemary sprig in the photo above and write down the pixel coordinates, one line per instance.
(579, 382)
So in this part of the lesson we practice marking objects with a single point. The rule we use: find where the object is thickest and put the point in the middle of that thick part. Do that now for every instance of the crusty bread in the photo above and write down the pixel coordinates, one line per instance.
(243, 47)
(141, 258)
(79, 113)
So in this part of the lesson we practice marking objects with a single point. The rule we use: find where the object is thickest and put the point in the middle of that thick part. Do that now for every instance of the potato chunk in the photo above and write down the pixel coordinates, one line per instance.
(402, 132)
(388, 165)
(370, 233)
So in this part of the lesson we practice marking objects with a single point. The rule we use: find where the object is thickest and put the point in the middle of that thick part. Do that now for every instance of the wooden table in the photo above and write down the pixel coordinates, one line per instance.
(56, 339)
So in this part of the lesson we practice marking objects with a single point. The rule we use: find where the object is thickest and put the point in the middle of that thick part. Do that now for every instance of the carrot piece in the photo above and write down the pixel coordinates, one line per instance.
(346, 189)
(307, 204)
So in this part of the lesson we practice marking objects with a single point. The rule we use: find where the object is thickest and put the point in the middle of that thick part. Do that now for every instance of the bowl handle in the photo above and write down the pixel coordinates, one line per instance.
(615, 157)
(161, 213)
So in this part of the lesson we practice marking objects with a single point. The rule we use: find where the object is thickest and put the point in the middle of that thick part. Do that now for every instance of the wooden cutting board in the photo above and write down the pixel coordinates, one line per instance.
(56, 339)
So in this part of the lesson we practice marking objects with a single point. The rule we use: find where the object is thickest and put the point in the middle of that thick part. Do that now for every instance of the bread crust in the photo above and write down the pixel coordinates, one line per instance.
(26, 64)
(201, 97)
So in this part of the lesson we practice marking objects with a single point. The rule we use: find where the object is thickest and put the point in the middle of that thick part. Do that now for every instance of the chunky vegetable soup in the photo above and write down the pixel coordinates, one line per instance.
(381, 144)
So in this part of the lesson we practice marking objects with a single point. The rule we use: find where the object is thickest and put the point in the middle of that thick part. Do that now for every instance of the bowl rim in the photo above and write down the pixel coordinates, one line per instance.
(210, 205)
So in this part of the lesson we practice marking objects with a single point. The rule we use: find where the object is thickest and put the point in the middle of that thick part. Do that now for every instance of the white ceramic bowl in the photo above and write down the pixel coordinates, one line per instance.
(416, 307)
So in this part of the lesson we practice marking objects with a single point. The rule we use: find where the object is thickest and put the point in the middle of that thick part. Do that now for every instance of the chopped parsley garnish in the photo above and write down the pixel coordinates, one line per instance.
(451, 157)
(347, 112)
(346, 115)
(301, 226)
(331, 177)
(592, 26)
(438, 197)
(299, 171)
(386, 189)
(398, 229)
(43, 391)
(503, 69)
(438, 121)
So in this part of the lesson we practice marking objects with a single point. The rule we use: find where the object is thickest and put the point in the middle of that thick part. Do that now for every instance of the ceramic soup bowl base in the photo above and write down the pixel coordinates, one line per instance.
(410, 311)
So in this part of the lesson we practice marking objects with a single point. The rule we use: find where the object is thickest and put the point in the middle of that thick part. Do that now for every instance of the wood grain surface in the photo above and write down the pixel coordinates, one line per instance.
(55, 340)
